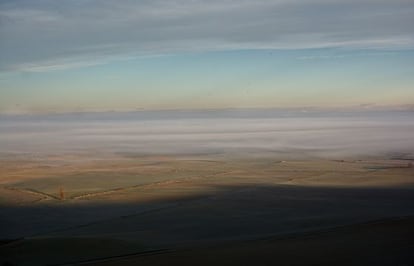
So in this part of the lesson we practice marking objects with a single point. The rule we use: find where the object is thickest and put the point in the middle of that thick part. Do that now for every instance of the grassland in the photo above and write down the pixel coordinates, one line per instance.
(111, 209)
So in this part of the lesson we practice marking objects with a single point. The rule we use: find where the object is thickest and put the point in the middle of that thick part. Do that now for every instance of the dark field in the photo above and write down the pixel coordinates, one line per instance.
(205, 210)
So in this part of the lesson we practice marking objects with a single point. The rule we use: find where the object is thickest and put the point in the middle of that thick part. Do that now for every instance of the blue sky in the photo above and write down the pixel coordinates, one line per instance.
(120, 55)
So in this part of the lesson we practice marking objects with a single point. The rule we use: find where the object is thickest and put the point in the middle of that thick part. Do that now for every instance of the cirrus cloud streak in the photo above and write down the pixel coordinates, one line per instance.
(50, 35)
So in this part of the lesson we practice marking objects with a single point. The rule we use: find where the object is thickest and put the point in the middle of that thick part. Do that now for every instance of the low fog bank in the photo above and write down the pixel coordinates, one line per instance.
(318, 134)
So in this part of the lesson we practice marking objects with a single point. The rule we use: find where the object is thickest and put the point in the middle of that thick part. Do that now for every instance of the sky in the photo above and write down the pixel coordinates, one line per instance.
(83, 55)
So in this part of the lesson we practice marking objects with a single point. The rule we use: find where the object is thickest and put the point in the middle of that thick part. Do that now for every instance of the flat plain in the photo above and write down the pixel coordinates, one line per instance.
(129, 209)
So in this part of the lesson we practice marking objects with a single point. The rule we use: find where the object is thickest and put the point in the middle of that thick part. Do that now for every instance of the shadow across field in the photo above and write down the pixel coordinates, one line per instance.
(217, 215)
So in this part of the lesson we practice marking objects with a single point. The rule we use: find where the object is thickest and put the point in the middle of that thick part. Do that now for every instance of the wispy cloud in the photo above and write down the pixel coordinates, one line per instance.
(346, 55)
(48, 35)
